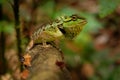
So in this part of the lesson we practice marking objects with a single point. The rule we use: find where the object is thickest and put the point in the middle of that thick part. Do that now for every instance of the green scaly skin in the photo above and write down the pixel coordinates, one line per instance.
(65, 27)
(72, 26)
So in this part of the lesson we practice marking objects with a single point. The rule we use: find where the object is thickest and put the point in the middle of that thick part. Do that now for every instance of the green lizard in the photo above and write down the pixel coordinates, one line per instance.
(64, 27)
(72, 26)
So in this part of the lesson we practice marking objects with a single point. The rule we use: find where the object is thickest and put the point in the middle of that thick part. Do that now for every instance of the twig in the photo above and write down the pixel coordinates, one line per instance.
(17, 28)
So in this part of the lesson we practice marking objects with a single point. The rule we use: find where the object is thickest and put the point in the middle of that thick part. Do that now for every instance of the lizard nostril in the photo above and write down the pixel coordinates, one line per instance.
(57, 21)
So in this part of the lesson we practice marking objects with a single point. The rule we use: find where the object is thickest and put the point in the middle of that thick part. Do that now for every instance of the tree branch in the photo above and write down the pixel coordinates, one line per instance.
(47, 64)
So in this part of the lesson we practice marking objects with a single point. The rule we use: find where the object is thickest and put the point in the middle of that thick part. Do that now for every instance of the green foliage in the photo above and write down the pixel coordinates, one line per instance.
(70, 56)
(65, 11)
(115, 75)
(6, 27)
(1, 1)
(93, 25)
(107, 7)
(4, 1)
(49, 7)
(103, 63)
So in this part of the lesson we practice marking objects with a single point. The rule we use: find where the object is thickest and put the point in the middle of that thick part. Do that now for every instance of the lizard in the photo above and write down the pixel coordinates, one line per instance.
(63, 27)
(72, 26)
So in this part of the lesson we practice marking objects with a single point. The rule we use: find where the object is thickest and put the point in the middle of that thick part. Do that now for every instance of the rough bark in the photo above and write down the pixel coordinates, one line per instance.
(44, 64)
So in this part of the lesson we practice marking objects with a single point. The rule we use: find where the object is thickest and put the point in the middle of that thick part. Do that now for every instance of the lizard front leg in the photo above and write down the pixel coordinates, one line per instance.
(45, 44)
(30, 45)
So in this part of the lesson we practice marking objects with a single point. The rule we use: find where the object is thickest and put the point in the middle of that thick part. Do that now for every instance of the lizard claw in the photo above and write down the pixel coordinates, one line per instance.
(45, 45)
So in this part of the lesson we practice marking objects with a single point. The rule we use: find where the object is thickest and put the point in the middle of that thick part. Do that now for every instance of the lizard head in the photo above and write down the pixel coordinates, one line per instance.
(72, 25)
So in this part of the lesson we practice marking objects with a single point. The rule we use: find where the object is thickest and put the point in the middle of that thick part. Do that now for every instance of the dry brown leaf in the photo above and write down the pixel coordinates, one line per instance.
(27, 60)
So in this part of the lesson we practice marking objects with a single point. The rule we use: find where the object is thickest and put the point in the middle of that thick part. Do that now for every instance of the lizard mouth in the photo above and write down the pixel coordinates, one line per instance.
(83, 22)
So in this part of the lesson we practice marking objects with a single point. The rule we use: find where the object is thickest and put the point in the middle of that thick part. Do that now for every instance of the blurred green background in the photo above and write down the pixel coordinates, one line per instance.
(93, 55)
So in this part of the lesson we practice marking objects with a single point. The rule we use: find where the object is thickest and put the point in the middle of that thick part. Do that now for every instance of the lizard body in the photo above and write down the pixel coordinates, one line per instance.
(64, 27)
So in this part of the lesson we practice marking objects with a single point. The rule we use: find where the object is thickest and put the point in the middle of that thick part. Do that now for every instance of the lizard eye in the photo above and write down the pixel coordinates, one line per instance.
(74, 17)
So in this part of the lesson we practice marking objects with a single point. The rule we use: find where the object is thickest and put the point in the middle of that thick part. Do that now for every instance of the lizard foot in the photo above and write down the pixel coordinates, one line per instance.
(30, 45)
(45, 45)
